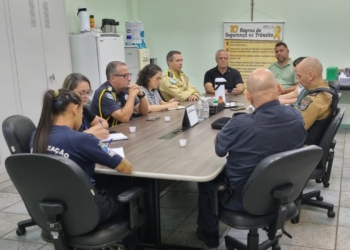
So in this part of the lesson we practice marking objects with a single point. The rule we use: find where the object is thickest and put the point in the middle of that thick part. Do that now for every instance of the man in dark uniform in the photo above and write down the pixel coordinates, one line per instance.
(318, 107)
(233, 77)
(117, 99)
(247, 139)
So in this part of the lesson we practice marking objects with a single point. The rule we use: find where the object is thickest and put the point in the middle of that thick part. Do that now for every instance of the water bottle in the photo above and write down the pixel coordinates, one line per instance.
(199, 110)
(205, 109)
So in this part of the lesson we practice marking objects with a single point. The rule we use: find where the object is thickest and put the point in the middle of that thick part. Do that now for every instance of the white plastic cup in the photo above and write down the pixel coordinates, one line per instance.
(183, 142)
(167, 118)
(132, 129)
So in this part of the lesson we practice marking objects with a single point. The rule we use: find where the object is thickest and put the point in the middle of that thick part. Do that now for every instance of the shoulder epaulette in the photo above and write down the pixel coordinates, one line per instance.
(170, 74)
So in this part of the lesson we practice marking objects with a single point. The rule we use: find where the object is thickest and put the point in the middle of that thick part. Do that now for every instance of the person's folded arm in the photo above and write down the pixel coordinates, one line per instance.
(174, 91)
(225, 139)
(142, 107)
(124, 114)
(209, 89)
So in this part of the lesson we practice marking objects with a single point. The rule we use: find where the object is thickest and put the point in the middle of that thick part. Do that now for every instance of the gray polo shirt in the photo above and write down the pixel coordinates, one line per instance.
(285, 75)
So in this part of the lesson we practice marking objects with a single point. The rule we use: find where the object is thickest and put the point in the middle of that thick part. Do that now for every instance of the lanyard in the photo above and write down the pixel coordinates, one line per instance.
(84, 124)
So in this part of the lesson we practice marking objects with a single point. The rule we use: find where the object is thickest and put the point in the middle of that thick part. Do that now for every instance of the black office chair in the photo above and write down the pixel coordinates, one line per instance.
(62, 200)
(17, 131)
(323, 170)
(268, 197)
(335, 84)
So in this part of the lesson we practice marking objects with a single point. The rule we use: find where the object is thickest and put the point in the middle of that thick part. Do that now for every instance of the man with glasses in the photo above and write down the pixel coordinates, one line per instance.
(234, 83)
(175, 84)
(116, 100)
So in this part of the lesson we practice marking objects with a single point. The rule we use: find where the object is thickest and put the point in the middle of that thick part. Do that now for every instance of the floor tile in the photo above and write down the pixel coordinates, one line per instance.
(343, 239)
(13, 244)
(165, 234)
(9, 222)
(4, 177)
(179, 200)
(32, 235)
(339, 153)
(18, 208)
(5, 184)
(345, 199)
(338, 162)
(186, 186)
(336, 172)
(11, 189)
(346, 164)
(344, 217)
(184, 239)
(8, 200)
(3, 170)
(243, 234)
(310, 235)
(48, 247)
(172, 218)
(287, 247)
(334, 184)
(345, 187)
(317, 215)
(346, 173)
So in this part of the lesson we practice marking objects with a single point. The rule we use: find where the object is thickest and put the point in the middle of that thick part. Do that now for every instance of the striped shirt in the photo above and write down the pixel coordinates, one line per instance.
(285, 75)
(153, 96)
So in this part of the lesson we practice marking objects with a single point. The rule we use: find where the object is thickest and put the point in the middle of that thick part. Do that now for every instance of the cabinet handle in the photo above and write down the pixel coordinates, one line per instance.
(52, 77)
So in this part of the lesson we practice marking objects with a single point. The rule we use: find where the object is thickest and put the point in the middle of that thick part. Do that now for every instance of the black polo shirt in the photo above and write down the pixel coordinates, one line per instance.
(232, 76)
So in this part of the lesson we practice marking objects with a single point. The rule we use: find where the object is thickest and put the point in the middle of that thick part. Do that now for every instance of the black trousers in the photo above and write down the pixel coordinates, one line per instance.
(207, 220)
(108, 188)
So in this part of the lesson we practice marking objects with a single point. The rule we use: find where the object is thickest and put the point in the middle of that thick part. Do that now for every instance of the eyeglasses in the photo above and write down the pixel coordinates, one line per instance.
(126, 76)
(83, 93)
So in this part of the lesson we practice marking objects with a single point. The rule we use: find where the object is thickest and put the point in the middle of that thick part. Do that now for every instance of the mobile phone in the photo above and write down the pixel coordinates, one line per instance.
(152, 118)
(237, 108)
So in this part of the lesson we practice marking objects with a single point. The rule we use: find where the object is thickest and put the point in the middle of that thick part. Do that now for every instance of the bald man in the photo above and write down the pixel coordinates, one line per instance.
(247, 139)
(318, 107)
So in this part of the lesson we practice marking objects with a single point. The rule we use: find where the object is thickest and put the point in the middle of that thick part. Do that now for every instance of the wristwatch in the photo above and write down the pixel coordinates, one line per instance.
(141, 96)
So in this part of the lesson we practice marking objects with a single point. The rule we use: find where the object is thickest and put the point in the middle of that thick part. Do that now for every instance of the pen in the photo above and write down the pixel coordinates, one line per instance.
(109, 142)
(101, 123)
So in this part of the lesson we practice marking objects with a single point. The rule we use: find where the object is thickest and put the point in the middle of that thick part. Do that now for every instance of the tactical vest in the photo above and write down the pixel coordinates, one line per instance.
(317, 129)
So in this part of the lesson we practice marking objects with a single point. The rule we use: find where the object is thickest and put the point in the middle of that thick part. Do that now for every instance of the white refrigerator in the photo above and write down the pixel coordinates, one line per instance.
(91, 52)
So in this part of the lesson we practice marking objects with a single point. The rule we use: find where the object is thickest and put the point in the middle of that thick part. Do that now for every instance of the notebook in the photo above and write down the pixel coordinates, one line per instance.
(179, 107)
(119, 151)
(116, 137)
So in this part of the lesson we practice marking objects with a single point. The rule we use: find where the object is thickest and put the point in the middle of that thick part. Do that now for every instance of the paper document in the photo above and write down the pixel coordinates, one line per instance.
(119, 151)
(116, 137)
(179, 107)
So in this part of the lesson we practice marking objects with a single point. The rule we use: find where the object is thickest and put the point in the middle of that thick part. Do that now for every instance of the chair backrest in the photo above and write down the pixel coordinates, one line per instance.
(17, 132)
(335, 84)
(290, 167)
(41, 177)
(329, 134)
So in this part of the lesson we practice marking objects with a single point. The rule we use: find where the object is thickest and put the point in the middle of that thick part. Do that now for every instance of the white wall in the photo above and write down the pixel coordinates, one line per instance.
(111, 9)
(312, 28)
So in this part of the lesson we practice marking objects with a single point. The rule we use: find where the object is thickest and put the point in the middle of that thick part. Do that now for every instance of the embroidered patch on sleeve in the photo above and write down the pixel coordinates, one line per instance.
(109, 96)
(305, 103)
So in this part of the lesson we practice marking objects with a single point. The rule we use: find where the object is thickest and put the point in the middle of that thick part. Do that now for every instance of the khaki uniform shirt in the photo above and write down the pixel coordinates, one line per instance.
(285, 75)
(316, 106)
(178, 86)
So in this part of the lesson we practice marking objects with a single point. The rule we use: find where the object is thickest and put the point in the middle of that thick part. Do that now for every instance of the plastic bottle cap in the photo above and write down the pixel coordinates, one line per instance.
(91, 16)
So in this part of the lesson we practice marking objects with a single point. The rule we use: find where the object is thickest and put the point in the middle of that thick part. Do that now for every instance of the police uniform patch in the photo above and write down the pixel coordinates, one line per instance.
(126, 96)
(105, 148)
(305, 103)
(172, 80)
(109, 88)
(109, 96)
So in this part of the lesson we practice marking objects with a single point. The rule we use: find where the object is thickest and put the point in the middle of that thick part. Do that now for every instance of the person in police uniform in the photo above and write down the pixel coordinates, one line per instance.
(316, 107)
(117, 99)
(245, 140)
(175, 84)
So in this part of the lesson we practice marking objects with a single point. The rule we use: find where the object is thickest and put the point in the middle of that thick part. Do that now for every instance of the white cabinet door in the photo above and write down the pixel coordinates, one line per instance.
(8, 102)
(29, 55)
(56, 41)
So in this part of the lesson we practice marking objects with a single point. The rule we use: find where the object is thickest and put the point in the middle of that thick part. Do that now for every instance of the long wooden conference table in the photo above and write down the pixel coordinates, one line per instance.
(153, 159)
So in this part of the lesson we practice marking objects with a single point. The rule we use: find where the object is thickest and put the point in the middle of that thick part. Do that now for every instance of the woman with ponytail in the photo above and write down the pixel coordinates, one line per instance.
(57, 134)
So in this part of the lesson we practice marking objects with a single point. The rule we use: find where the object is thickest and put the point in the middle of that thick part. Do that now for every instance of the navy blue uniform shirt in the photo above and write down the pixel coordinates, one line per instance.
(109, 105)
(84, 149)
(249, 138)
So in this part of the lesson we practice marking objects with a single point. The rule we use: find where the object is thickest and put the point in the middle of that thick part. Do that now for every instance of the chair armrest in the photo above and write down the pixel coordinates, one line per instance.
(52, 208)
(131, 194)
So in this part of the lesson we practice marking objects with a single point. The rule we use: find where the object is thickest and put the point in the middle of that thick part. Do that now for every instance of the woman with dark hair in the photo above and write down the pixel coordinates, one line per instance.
(91, 123)
(57, 134)
(149, 80)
